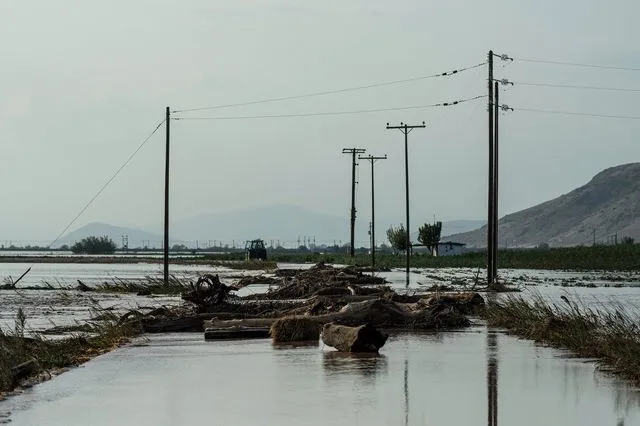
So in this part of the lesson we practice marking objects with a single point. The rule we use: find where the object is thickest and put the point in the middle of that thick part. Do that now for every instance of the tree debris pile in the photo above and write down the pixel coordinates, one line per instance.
(207, 291)
(320, 280)
(256, 279)
(466, 303)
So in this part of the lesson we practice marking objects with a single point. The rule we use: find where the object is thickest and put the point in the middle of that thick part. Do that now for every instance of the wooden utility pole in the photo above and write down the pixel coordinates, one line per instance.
(496, 166)
(406, 129)
(353, 152)
(372, 159)
(491, 199)
(166, 200)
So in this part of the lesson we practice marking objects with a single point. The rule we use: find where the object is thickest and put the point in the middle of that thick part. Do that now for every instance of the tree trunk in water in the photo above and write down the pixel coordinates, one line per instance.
(365, 338)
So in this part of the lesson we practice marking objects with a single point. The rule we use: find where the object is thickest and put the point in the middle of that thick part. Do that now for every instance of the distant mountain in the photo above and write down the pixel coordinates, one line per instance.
(137, 237)
(609, 204)
(282, 222)
(285, 223)
(460, 226)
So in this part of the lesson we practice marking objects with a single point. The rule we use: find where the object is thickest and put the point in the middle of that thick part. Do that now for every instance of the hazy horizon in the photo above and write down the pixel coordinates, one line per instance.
(85, 83)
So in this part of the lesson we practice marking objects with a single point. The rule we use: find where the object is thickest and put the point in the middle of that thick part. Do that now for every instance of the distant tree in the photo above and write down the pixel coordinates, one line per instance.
(628, 240)
(179, 247)
(429, 236)
(543, 246)
(94, 245)
(64, 247)
(397, 237)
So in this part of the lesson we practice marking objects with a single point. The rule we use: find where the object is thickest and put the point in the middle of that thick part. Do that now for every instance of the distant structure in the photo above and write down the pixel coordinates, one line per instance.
(450, 248)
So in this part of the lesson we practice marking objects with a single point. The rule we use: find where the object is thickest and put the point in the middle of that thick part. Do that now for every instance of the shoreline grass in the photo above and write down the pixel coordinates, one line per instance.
(31, 359)
(609, 334)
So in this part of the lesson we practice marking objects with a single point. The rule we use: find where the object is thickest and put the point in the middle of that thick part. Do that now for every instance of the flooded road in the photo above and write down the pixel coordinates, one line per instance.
(476, 377)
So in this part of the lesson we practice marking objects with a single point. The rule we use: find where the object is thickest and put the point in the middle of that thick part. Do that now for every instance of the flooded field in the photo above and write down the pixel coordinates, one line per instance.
(461, 378)
(47, 308)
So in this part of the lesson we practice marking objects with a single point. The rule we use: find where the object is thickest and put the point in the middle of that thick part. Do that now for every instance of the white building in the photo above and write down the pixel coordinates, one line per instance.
(450, 248)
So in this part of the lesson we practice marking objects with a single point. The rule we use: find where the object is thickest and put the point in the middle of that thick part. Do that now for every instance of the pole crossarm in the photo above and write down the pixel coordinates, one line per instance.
(372, 158)
(406, 128)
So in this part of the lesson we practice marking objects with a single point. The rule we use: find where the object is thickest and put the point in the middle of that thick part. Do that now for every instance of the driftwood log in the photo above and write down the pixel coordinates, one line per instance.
(365, 338)
(23, 370)
(295, 329)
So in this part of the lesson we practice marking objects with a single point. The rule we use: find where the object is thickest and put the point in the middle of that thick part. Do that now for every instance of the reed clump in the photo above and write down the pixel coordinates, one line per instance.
(145, 287)
(610, 334)
(28, 356)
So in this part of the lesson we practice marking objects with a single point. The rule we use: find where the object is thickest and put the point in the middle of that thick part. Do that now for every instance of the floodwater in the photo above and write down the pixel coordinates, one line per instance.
(68, 274)
(472, 377)
(65, 306)
(45, 309)
(475, 377)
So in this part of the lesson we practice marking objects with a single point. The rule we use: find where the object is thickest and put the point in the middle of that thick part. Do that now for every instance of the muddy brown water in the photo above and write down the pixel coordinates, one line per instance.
(475, 377)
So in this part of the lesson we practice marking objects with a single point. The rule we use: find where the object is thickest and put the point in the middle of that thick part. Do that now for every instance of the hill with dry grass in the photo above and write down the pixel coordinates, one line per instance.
(608, 204)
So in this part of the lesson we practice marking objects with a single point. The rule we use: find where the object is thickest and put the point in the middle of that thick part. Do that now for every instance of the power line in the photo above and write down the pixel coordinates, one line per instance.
(332, 92)
(584, 114)
(330, 113)
(144, 142)
(570, 86)
(576, 64)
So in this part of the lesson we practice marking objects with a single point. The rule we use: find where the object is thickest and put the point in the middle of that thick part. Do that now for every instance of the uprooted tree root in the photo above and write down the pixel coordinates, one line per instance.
(610, 335)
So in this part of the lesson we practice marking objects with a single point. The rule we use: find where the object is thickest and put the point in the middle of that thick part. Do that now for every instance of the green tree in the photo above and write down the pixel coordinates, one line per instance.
(397, 237)
(628, 240)
(94, 245)
(429, 236)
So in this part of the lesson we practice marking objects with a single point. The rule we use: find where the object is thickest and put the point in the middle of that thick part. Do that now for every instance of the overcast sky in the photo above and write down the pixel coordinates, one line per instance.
(82, 83)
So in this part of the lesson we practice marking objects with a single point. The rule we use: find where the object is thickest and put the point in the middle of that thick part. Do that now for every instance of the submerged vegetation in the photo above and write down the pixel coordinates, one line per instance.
(609, 334)
(147, 287)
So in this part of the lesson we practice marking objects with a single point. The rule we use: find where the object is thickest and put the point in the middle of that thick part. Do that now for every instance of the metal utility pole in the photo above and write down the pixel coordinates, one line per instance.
(406, 129)
(353, 152)
(166, 200)
(372, 159)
